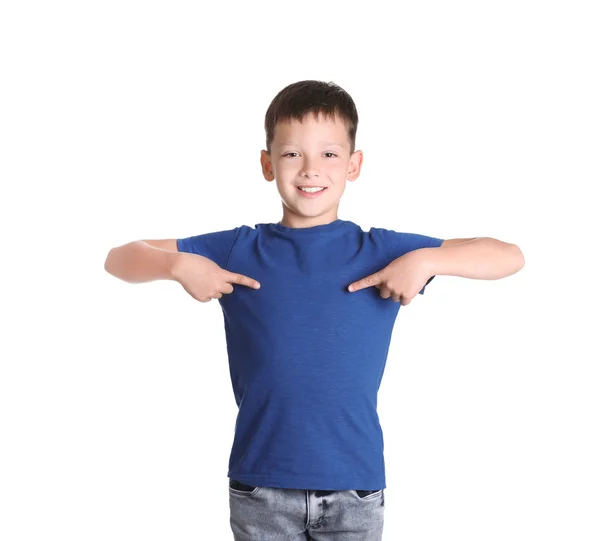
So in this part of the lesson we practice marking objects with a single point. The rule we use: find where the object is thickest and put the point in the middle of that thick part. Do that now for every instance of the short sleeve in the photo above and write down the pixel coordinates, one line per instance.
(396, 244)
(216, 246)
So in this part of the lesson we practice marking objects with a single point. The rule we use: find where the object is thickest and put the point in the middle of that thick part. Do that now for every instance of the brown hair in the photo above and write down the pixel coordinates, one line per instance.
(297, 100)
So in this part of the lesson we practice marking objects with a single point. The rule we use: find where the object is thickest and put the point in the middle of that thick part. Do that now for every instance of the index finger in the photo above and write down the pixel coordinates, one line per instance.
(372, 280)
(236, 278)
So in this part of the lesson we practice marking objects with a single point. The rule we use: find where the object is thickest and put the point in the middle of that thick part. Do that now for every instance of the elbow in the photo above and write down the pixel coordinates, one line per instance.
(107, 261)
(519, 256)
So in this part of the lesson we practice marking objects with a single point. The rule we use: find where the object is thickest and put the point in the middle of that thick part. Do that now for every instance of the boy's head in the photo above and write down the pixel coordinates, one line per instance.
(311, 130)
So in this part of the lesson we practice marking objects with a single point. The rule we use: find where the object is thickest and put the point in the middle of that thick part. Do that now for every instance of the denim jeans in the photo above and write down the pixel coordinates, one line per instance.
(283, 514)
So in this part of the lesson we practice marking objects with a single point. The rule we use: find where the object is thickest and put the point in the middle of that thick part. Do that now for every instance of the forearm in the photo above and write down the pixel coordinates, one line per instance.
(484, 258)
(137, 262)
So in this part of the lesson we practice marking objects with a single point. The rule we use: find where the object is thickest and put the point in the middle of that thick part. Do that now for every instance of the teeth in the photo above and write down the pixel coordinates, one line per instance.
(311, 190)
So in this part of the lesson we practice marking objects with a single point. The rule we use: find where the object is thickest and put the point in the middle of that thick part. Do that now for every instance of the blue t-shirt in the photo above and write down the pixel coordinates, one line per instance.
(306, 356)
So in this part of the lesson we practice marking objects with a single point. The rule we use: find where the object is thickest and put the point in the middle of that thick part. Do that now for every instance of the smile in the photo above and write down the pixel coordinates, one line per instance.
(314, 192)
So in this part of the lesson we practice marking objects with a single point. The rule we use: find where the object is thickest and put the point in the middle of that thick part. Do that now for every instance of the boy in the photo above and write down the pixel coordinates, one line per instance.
(307, 335)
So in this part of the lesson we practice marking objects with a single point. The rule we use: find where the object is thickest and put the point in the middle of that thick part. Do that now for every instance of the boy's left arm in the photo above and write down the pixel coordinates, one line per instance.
(482, 258)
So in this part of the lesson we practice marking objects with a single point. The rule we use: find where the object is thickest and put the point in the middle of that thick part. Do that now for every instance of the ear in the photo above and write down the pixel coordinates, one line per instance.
(267, 166)
(355, 165)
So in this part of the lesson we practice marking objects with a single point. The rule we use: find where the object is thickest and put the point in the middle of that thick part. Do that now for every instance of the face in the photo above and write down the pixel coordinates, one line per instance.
(311, 153)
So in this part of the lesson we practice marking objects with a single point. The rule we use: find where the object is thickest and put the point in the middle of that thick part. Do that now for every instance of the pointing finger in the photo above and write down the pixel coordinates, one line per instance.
(236, 278)
(372, 280)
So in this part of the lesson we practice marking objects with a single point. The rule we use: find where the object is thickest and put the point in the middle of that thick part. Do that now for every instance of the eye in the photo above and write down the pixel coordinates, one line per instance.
(290, 154)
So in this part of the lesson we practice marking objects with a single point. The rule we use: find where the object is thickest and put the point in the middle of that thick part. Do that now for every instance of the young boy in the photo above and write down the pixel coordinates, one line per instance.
(307, 351)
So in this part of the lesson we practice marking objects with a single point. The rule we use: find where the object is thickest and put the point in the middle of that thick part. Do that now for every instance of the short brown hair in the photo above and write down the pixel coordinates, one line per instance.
(297, 100)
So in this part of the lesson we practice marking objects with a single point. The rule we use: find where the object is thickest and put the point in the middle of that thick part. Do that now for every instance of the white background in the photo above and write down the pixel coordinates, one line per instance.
(130, 120)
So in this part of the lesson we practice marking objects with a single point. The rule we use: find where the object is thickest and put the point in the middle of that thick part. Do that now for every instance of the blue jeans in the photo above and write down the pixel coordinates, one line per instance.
(284, 514)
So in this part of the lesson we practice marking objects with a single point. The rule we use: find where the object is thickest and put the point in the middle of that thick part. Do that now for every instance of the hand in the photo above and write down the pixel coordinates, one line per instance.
(402, 279)
(204, 280)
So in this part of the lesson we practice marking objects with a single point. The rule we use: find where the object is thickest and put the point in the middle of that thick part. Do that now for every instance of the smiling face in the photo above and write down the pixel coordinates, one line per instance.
(311, 153)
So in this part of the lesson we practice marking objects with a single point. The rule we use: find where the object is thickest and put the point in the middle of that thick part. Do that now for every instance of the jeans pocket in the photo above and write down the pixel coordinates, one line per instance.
(239, 487)
(368, 494)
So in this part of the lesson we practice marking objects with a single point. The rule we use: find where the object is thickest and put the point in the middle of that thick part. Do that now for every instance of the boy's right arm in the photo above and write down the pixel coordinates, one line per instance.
(201, 277)
(143, 260)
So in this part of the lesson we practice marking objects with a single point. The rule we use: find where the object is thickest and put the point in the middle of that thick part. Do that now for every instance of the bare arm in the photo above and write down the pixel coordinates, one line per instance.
(143, 260)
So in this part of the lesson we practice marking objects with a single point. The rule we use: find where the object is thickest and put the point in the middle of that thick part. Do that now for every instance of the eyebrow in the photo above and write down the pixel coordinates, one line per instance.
(321, 142)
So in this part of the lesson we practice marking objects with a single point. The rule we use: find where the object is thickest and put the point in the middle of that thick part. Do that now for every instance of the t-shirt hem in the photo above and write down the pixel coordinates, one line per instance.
(304, 482)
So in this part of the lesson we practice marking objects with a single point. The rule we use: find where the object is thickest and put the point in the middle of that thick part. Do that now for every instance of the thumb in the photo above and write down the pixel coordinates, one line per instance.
(368, 281)
(236, 278)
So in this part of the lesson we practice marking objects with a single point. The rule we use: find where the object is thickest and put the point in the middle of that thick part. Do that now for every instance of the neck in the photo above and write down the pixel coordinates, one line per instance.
(292, 219)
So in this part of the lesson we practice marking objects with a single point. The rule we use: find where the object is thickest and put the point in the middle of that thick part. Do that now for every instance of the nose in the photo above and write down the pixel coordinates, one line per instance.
(309, 170)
